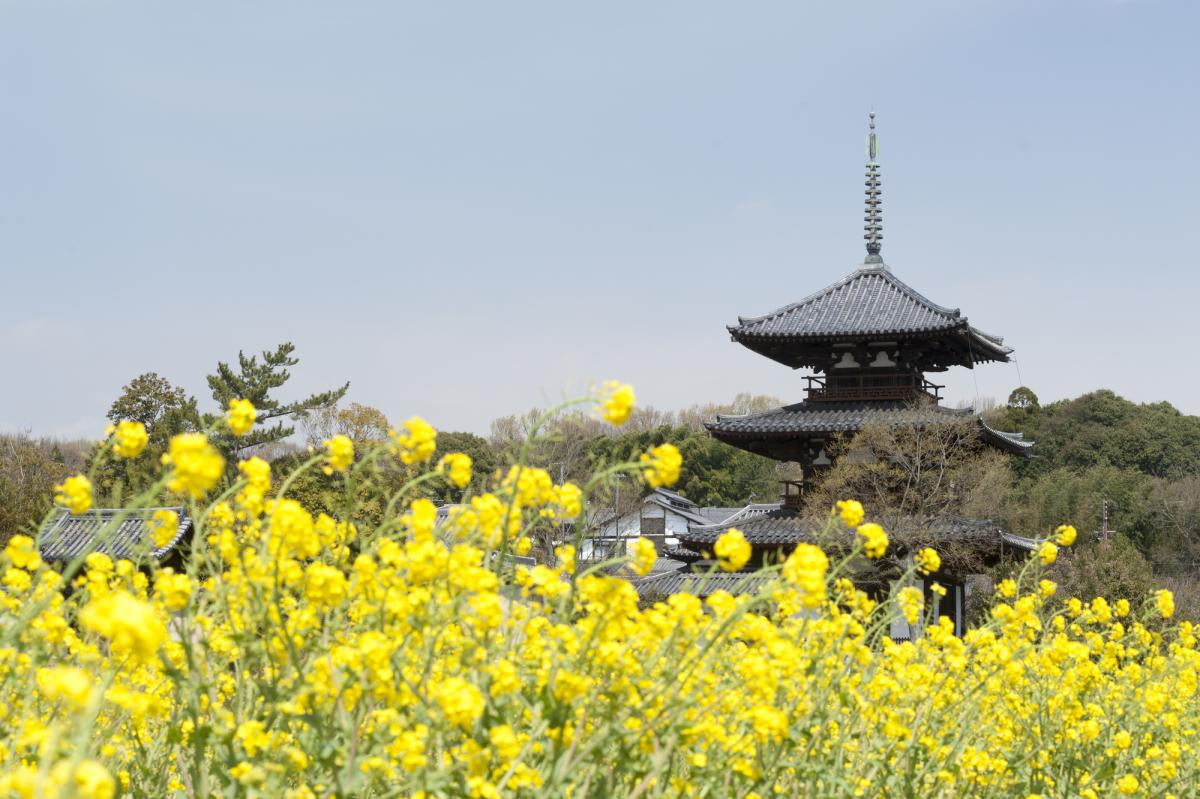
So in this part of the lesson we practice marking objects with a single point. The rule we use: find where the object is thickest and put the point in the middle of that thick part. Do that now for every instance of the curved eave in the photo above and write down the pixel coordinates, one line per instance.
(978, 347)
(1015, 443)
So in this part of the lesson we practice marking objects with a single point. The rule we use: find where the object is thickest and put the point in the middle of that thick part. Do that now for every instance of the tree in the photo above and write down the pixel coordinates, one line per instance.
(484, 463)
(166, 410)
(257, 382)
(1112, 568)
(29, 469)
(911, 476)
(1022, 398)
(163, 408)
(713, 473)
(362, 424)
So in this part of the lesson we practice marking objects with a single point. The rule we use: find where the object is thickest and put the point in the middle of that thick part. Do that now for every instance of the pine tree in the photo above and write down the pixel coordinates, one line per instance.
(257, 381)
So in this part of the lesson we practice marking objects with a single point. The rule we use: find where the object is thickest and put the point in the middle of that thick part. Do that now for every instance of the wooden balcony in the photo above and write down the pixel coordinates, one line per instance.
(851, 388)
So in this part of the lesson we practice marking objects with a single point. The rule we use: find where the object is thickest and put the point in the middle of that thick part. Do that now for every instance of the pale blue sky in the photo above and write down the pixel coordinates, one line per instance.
(467, 209)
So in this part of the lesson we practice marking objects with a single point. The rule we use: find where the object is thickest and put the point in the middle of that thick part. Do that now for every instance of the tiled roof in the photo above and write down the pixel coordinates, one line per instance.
(848, 417)
(679, 555)
(702, 585)
(783, 526)
(120, 534)
(715, 515)
(774, 527)
(831, 417)
(1014, 442)
(870, 301)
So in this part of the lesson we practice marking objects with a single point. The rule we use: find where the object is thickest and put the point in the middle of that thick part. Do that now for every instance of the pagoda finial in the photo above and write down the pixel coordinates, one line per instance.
(874, 207)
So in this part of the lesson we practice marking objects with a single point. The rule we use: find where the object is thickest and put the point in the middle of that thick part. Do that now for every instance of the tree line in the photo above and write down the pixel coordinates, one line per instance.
(1098, 457)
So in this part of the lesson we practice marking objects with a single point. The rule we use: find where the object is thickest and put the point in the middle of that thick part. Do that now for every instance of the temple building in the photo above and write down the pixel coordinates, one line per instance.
(872, 342)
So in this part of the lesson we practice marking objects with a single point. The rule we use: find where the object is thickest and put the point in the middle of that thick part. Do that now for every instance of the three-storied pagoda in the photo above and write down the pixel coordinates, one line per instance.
(871, 341)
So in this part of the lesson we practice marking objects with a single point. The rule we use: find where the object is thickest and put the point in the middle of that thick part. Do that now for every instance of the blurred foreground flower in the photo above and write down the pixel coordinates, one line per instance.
(75, 493)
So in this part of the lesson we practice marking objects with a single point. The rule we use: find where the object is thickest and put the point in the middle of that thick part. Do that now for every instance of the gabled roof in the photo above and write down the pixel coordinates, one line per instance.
(702, 585)
(118, 533)
(805, 419)
(674, 498)
(868, 303)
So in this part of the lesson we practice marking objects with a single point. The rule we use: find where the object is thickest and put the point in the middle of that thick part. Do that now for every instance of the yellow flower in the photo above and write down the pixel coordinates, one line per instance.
(732, 550)
(1164, 603)
(805, 568)
(851, 511)
(911, 602)
(661, 465)
(569, 499)
(1128, 785)
(457, 467)
(1064, 535)
(241, 416)
(1047, 553)
(460, 701)
(197, 466)
(131, 626)
(91, 779)
(257, 473)
(341, 454)
(1007, 589)
(75, 493)
(175, 590)
(23, 552)
(644, 556)
(416, 443)
(875, 540)
(1047, 589)
(129, 439)
(65, 683)
(618, 402)
(928, 561)
(164, 525)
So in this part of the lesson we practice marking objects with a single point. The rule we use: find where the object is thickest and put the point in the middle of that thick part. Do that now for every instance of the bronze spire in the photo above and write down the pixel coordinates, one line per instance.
(874, 206)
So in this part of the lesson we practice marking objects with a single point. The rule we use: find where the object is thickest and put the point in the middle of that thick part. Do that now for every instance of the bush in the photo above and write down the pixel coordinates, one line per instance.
(301, 657)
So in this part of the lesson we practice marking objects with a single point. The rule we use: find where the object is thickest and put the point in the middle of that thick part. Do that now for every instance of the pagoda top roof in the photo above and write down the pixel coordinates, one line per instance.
(869, 303)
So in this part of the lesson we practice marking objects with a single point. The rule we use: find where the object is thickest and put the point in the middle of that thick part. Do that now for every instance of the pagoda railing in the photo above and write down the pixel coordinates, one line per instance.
(845, 388)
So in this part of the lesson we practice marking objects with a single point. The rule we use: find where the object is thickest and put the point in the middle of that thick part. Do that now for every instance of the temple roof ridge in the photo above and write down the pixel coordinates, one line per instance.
(866, 270)
(869, 301)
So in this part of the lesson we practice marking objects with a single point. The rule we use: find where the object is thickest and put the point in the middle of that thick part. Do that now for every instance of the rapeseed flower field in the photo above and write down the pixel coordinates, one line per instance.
(302, 657)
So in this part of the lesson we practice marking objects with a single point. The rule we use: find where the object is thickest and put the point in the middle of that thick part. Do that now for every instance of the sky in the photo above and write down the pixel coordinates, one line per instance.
(467, 209)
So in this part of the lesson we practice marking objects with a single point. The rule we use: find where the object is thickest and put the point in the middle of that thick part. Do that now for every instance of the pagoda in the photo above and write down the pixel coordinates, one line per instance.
(870, 339)
(871, 342)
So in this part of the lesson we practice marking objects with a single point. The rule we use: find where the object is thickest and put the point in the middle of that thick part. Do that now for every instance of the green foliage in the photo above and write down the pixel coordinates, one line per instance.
(361, 501)
(1038, 504)
(713, 473)
(29, 470)
(1113, 568)
(166, 410)
(1022, 398)
(1102, 428)
(258, 382)
(163, 408)
(484, 463)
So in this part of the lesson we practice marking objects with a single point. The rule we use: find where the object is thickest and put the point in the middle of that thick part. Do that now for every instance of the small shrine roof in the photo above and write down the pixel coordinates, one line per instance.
(702, 585)
(116, 532)
(868, 303)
